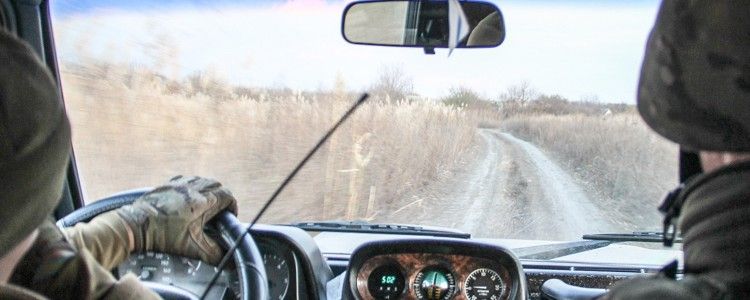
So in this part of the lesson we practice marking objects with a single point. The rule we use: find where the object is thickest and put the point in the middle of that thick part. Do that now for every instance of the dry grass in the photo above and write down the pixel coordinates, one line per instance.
(133, 128)
(617, 157)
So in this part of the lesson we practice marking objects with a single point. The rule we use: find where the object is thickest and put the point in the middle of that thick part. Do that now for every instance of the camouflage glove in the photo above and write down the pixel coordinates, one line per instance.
(171, 218)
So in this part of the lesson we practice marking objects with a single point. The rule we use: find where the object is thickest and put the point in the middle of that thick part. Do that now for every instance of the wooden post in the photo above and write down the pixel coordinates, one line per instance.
(330, 186)
(331, 179)
(358, 165)
(352, 207)
(371, 203)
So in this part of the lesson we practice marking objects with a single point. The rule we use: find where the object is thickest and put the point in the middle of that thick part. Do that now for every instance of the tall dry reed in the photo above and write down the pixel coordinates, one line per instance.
(133, 128)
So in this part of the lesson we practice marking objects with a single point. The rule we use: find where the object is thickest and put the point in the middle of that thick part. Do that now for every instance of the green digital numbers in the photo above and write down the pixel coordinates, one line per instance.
(388, 279)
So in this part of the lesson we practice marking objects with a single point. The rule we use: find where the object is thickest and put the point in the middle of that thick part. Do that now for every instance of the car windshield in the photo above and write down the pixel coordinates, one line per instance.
(536, 139)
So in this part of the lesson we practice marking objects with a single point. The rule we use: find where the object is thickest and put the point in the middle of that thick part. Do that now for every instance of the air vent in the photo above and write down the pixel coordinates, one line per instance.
(547, 267)
(573, 268)
(610, 269)
(337, 257)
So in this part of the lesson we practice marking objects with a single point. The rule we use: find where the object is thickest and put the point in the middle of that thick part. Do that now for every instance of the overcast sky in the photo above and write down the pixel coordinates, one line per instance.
(578, 49)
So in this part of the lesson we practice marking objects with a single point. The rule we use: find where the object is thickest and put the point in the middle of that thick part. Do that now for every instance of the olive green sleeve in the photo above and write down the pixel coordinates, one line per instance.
(105, 237)
(11, 291)
(57, 269)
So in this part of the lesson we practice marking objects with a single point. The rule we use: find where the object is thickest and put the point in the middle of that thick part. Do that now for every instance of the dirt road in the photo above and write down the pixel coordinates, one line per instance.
(513, 190)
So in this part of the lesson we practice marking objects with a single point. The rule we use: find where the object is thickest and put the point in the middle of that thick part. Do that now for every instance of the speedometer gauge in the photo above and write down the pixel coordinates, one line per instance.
(484, 284)
(277, 271)
(188, 274)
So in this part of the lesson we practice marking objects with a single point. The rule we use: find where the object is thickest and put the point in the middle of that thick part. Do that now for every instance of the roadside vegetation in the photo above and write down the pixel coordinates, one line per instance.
(135, 128)
(615, 156)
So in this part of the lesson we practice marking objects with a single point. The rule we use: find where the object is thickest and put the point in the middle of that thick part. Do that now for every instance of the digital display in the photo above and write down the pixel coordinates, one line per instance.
(386, 282)
(388, 279)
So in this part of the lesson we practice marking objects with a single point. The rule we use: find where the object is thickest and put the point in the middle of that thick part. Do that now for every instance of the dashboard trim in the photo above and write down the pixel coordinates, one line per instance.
(315, 270)
(297, 275)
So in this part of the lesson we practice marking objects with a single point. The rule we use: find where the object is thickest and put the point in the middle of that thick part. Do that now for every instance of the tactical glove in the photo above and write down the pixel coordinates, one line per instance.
(171, 218)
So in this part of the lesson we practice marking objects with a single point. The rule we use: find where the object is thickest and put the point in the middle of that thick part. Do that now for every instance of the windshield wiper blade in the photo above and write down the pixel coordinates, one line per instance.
(555, 250)
(638, 236)
(366, 227)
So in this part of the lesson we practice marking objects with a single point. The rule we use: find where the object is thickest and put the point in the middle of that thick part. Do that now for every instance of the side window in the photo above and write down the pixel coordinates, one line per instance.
(139, 117)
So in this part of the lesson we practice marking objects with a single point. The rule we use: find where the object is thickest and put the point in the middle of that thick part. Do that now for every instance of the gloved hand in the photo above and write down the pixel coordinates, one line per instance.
(171, 218)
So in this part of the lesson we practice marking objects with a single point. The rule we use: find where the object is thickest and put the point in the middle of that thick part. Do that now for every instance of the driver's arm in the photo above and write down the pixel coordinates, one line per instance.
(168, 219)
(107, 238)
(76, 262)
(57, 269)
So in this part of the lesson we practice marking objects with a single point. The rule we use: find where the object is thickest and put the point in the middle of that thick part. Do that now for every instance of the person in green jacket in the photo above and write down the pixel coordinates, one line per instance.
(695, 90)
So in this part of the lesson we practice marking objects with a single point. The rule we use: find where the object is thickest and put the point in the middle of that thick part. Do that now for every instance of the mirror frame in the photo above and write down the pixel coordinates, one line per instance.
(349, 5)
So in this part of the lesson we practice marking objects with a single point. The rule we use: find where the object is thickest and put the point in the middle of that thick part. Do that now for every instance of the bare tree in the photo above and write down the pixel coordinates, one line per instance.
(392, 84)
(591, 98)
(521, 93)
(208, 83)
(516, 98)
(464, 96)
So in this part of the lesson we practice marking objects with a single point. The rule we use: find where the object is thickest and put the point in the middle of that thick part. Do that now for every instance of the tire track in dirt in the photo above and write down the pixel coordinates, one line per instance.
(512, 190)
(559, 209)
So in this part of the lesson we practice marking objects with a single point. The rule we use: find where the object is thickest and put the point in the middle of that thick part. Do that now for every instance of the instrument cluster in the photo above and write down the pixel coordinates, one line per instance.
(433, 277)
(188, 274)
(192, 275)
(434, 270)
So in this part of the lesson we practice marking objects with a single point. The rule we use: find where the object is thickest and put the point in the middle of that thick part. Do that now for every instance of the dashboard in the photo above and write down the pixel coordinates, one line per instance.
(375, 264)
(367, 266)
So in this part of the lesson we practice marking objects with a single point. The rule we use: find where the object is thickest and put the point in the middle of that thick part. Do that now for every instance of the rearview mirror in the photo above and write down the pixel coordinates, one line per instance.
(420, 24)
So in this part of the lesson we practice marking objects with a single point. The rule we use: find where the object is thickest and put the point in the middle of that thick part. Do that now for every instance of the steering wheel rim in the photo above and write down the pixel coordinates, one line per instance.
(250, 270)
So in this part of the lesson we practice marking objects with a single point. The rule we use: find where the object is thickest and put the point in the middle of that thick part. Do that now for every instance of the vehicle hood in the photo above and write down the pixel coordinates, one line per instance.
(343, 244)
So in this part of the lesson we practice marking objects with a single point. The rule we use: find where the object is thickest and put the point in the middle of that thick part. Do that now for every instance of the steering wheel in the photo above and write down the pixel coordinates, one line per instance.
(251, 273)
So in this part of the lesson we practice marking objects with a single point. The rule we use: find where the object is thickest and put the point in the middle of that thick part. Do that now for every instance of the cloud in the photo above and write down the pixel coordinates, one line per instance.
(307, 5)
(571, 50)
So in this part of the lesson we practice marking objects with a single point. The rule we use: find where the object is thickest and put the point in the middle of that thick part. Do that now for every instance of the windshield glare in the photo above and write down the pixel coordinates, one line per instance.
(537, 139)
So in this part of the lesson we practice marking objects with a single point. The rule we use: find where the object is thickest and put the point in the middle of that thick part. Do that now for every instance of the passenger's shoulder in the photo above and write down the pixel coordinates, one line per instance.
(663, 288)
(14, 292)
